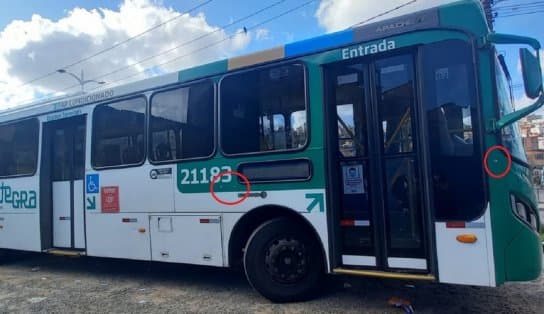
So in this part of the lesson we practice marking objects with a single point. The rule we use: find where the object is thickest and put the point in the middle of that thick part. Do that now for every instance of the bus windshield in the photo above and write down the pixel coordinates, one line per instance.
(511, 136)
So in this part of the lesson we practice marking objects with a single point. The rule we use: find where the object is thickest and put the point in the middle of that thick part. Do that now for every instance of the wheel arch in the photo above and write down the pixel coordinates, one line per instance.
(251, 220)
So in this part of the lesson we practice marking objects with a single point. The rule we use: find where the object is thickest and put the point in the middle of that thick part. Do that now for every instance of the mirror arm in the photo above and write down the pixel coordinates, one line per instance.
(517, 115)
(497, 38)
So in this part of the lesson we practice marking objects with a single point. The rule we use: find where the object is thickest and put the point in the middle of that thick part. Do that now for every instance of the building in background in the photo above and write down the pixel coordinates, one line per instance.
(532, 132)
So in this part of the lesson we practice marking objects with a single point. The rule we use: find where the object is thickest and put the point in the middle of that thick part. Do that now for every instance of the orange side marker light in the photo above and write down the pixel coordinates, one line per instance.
(467, 238)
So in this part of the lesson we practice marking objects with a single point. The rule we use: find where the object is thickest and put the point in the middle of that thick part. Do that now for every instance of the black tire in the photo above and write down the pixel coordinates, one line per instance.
(284, 262)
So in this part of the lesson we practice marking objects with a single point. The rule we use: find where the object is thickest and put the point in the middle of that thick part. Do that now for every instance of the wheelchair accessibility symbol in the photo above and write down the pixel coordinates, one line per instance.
(93, 183)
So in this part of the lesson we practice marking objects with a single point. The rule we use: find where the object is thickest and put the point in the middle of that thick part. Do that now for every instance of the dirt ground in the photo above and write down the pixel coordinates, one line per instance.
(44, 283)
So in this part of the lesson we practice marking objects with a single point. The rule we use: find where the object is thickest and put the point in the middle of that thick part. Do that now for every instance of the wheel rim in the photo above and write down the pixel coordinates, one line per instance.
(286, 260)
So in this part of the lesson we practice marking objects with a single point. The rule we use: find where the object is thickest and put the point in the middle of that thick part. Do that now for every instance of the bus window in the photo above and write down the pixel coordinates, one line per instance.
(298, 125)
(395, 100)
(511, 136)
(264, 110)
(181, 124)
(450, 104)
(19, 148)
(118, 133)
(273, 132)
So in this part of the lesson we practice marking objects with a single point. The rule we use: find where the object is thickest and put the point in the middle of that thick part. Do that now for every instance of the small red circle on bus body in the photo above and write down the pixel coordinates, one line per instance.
(225, 173)
(508, 166)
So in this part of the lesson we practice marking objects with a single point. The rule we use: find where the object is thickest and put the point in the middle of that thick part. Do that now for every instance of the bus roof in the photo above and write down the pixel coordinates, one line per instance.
(445, 16)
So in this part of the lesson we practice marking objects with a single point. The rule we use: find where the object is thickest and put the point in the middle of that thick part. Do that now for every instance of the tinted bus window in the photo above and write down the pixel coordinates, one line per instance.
(264, 110)
(453, 129)
(118, 133)
(182, 123)
(511, 135)
(19, 148)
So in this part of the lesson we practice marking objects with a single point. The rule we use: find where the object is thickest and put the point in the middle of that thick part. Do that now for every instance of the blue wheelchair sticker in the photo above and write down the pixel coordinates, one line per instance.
(93, 183)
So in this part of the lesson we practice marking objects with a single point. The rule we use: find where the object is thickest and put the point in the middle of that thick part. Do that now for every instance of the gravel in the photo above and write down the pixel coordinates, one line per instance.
(34, 283)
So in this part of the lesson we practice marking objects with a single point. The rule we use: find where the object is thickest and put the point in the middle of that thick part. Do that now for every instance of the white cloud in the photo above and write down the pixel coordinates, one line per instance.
(32, 48)
(262, 34)
(336, 15)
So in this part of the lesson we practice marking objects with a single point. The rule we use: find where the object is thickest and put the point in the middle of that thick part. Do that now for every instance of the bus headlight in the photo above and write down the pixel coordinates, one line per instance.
(524, 212)
(521, 211)
(534, 222)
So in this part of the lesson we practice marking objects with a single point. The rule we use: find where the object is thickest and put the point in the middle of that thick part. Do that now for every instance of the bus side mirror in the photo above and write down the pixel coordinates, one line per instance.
(532, 73)
(532, 77)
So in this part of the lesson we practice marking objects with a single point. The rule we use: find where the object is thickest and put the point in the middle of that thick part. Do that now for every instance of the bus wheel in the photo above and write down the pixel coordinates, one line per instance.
(283, 262)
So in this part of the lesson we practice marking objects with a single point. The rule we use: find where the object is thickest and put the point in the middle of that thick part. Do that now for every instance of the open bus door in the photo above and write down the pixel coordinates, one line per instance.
(375, 165)
(62, 177)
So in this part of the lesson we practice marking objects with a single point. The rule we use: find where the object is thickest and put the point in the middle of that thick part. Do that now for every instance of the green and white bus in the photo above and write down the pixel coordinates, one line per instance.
(388, 150)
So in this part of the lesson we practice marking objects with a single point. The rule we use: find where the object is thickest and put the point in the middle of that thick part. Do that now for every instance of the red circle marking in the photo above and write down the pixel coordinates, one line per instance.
(508, 166)
(224, 173)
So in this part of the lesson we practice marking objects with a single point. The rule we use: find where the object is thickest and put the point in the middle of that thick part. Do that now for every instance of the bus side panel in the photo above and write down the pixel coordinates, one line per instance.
(466, 263)
(229, 221)
(19, 214)
(319, 223)
(524, 257)
(191, 239)
(518, 247)
(139, 189)
(298, 200)
(121, 235)
(20, 231)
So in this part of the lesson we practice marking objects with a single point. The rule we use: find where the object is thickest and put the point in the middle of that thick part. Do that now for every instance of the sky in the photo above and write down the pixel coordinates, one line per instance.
(38, 37)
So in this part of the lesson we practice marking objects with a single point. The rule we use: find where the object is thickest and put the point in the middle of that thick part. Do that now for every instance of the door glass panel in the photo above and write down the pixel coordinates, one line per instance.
(395, 90)
(403, 204)
(62, 154)
(395, 98)
(79, 152)
(350, 110)
(349, 98)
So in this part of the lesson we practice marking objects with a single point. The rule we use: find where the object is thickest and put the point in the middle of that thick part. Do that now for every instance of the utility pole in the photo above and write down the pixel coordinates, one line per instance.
(489, 14)
(81, 79)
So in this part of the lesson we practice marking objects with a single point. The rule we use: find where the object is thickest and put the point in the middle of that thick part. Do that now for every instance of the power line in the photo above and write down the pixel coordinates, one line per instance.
(518, 5)
(237, 21)
(384, 13)
(524, 9)
(115, 45)
(201, 48)
(520, 14)
(509, 9)
(139, 34)
(214, 43)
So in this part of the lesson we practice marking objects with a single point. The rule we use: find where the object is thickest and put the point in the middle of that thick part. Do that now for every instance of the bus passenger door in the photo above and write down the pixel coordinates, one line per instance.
(349, 111)
(66, 141)
(375, 177)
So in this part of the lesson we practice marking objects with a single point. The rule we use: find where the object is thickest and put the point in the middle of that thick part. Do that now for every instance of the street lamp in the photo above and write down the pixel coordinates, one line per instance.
(80, 79)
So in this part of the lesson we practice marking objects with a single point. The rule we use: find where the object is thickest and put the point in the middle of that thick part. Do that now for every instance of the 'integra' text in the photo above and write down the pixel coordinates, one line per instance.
(16, 198)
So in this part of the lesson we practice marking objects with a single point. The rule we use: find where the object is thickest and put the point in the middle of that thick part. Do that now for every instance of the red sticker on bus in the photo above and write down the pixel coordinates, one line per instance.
(109, 196)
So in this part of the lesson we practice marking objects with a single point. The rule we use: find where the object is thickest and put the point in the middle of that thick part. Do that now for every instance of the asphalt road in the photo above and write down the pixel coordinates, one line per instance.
(43, 283)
